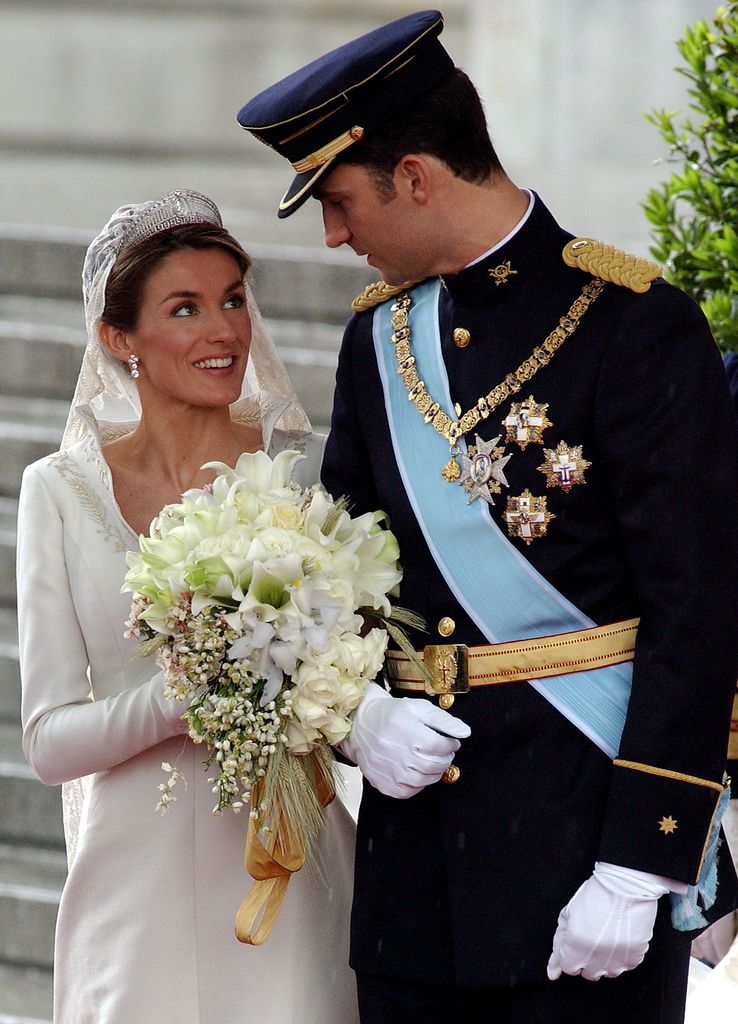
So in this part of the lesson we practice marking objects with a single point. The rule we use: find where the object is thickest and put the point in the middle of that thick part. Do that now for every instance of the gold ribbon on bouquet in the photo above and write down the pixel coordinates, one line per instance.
(274, 854)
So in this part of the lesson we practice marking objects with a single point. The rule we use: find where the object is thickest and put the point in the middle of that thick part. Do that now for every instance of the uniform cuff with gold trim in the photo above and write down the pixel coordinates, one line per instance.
(658, 820)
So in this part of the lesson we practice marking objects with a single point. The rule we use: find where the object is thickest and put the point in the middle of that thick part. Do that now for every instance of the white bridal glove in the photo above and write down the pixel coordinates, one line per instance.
(606, 926)
(401, 744)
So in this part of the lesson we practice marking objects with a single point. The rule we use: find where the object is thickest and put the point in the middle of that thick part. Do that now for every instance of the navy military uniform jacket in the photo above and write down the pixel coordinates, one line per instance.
(464, 883)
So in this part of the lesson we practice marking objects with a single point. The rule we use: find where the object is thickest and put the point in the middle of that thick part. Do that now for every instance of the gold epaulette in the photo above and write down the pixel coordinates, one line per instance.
(611, 264)
(377, 293)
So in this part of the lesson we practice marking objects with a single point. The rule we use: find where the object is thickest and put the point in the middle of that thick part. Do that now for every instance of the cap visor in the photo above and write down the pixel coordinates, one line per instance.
(301, 189)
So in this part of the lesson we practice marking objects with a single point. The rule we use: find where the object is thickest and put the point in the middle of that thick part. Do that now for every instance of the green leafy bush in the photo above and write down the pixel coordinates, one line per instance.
(695, 213)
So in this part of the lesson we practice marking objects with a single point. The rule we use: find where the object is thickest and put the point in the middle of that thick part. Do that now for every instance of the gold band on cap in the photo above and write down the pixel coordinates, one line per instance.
(329, 151)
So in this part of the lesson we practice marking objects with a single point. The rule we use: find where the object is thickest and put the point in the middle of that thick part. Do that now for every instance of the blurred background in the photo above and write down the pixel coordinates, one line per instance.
(106, 102)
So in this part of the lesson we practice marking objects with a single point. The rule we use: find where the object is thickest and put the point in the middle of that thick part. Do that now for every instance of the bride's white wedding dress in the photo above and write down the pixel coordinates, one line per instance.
(713, 997)
(145, 933)
(713, 993)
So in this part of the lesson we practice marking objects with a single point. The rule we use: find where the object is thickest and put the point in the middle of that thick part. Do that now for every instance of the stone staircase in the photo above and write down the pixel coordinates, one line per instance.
(305, 296)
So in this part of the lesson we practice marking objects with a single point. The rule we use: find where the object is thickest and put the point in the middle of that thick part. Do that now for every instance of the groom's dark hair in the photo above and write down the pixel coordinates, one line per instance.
(450, 125)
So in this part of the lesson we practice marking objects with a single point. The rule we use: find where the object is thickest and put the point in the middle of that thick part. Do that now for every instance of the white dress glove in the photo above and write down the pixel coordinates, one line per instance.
(606, 926)
(401, 744)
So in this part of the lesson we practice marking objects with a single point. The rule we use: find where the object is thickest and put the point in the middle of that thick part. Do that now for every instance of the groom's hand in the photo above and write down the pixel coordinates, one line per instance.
(606, 926)
(401, 744)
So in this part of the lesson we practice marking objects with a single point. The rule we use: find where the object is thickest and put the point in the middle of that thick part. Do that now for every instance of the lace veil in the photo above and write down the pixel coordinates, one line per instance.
(106, 395)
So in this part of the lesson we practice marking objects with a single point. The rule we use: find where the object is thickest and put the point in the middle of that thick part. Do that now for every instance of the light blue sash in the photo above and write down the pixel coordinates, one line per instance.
(496, 585)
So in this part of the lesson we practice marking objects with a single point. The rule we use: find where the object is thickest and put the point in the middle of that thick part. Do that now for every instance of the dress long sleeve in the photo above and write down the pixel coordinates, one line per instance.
(67, 733)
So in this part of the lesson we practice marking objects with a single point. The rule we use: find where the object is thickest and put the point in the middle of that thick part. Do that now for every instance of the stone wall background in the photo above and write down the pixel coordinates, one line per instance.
(107, 101)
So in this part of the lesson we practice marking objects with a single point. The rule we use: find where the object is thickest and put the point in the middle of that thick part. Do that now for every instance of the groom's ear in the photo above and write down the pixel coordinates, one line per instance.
(115, 341)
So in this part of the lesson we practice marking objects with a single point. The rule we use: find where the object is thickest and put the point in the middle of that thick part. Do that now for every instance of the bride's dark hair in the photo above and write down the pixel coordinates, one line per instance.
(124, 289)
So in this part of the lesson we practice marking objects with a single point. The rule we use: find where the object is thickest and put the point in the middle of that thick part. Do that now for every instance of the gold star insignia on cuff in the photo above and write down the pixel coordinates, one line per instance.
(668, 825)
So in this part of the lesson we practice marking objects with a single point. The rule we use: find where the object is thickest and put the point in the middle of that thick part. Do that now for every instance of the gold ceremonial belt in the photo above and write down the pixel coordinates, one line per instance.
(455, 668)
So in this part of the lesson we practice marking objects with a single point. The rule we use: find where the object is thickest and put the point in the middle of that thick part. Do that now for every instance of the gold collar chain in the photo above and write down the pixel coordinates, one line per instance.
(431, 411)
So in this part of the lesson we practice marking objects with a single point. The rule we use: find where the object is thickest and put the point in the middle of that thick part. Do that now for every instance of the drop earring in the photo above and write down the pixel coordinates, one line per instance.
(133, 363)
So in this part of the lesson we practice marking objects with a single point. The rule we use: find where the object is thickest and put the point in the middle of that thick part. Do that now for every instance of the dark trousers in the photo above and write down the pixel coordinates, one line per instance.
(654, 993)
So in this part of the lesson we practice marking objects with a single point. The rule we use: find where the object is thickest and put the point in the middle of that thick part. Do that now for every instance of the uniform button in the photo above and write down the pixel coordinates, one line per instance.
(462, 337)
(446, 700)
(446, 626)
(451, 775)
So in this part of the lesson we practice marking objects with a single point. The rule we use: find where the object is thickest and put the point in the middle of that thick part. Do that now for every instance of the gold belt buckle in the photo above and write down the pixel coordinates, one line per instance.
(448, 665)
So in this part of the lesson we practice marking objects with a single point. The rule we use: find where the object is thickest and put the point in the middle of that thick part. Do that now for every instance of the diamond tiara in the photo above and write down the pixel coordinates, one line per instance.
(182, 206)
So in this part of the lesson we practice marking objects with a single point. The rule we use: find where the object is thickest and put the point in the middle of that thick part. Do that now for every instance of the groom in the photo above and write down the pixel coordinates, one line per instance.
(547, 423)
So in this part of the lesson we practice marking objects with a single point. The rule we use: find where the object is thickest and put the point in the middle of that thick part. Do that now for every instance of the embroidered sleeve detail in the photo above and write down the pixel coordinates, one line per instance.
(668, 774)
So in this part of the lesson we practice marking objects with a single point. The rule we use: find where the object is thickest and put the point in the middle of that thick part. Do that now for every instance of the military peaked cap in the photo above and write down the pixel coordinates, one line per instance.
(316, 113)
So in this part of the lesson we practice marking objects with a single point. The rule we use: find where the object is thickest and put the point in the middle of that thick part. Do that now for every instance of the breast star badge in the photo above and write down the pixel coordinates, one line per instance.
(527, 517)
(526, 422)
(564, 466)
(668, 825)
(483, 472)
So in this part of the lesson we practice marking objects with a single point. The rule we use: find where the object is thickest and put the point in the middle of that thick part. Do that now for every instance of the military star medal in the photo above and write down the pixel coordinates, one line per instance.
(526, 422)
(668, 825)
(527, 516)
(564, 466)
(482, 475)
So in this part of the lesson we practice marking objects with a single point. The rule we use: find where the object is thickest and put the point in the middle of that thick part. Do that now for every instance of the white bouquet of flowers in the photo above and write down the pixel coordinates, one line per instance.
(256, 596)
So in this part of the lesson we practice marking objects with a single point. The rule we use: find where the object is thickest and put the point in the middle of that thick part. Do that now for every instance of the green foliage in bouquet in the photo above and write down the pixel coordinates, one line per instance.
(695, 213)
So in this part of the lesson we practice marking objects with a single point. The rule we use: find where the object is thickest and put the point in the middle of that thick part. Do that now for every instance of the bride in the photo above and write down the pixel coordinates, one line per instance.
(178, 371)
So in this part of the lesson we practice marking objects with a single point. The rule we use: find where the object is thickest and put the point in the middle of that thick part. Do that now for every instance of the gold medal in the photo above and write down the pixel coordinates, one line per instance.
(451, 471)
(526, 422)
(564, 466)
(527, 516)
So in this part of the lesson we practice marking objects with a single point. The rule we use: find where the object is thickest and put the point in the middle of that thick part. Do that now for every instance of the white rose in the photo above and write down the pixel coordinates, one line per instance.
(375, 645)
(310, 714)
(350, 652)
(336, 729)
(352, 692)
(318, 683)
(286, 517)
(299, 739)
